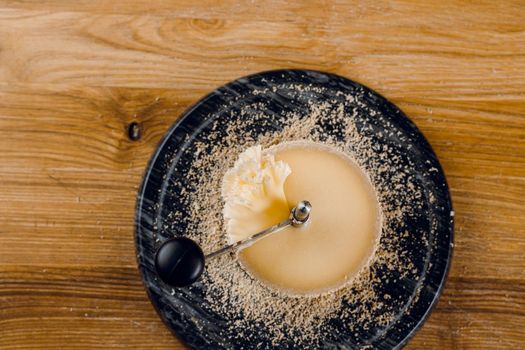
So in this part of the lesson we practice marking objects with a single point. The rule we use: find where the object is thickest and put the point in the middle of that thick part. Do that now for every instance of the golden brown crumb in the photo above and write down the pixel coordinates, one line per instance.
(244, 302)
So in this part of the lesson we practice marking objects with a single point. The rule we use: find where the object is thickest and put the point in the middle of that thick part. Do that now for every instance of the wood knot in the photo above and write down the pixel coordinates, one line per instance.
(207, 25)
(134, 131)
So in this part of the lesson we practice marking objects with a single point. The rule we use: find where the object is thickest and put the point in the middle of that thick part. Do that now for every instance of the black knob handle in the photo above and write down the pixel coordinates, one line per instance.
(179, 261)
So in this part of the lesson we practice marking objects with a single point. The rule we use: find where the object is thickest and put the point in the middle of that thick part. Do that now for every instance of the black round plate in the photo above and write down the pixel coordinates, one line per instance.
(178, 309)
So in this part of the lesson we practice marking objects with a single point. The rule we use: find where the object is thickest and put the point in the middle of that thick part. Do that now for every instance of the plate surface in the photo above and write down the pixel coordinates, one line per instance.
(429, 248)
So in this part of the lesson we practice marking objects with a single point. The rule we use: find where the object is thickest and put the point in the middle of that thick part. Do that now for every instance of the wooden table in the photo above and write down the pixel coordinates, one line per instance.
(75, 74)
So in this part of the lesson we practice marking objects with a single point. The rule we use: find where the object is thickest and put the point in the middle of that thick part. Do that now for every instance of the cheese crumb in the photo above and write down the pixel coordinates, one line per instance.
(253, 188)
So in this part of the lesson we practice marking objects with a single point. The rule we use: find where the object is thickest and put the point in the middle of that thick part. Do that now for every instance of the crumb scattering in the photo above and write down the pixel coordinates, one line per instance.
(246, 306)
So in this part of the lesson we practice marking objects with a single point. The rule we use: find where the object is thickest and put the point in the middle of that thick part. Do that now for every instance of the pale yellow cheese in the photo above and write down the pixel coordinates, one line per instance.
(343, 229)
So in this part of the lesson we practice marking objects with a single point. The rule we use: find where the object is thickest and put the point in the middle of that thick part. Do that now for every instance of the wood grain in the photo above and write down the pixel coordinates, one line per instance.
(73, 75)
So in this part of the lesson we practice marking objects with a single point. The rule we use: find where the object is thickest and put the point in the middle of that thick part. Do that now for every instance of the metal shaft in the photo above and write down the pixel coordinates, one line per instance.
(299, 215)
